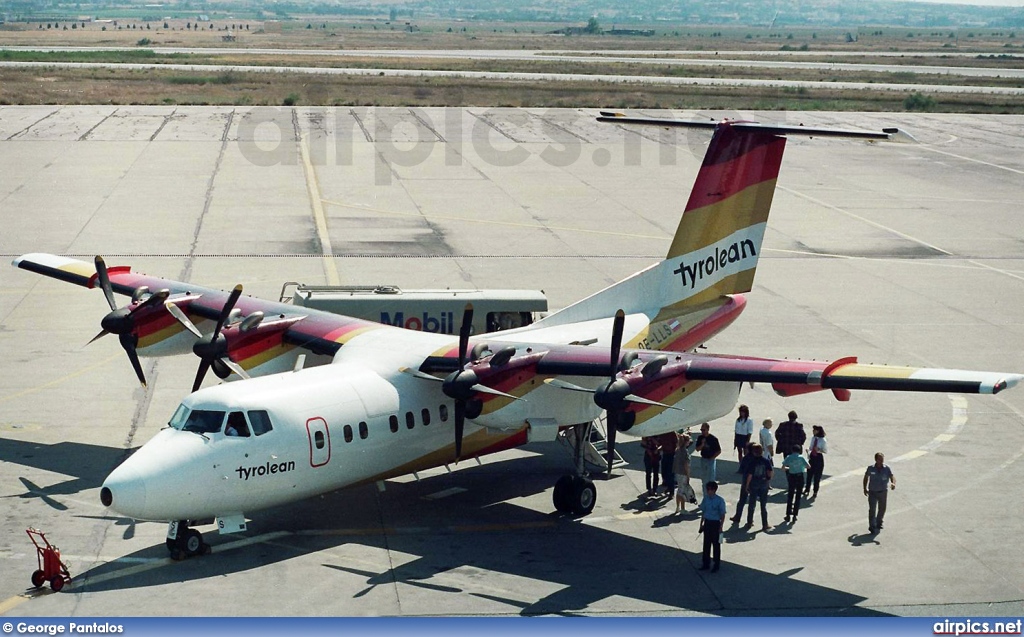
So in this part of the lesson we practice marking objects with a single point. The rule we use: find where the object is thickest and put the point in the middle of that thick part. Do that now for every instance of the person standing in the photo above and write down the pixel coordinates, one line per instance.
(681, 469)
(757, 481)
(668, 442)
(816, 456)
(767, 440)
(748, 459)
(796, 468)
(710, 449)
(744, 430)
(713, 507)
(652, 462)
(877, 477)
(789, 434)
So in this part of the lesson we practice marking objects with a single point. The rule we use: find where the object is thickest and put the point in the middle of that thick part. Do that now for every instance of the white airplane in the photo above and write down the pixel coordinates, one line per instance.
(373, 401)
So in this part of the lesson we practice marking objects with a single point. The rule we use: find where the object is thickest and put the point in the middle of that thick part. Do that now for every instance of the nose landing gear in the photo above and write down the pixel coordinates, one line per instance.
(183, 541)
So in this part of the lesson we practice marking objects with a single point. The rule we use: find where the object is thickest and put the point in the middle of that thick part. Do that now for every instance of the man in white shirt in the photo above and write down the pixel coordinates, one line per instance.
(767, 439)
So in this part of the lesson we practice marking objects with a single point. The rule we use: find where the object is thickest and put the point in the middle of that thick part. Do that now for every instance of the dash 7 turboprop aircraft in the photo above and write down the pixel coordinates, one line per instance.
(376, 401)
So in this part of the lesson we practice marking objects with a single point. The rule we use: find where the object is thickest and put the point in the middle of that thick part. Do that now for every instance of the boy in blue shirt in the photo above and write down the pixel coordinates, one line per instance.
(796, 468)
(713, 508)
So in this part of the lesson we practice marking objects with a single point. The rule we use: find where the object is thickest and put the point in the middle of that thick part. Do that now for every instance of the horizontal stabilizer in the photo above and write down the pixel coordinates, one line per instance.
(887, 134)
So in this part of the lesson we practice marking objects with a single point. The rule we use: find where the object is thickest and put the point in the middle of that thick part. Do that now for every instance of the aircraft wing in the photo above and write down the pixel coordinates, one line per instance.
(149, 326)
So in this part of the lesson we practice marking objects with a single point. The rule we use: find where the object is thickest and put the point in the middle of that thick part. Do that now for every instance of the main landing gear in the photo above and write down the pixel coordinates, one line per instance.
(183, 541)
(575, 493)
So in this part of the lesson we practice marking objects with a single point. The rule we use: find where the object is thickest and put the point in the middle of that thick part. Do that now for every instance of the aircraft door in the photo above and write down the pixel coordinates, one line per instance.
(319, 442)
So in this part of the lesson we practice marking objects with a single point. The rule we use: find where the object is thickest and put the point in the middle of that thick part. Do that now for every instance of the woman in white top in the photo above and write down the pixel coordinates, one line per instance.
(744, 429)
(816, 455)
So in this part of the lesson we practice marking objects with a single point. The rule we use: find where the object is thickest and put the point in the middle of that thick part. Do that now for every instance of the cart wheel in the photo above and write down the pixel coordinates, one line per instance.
(38, 579)
(193, 543)
(57, 583)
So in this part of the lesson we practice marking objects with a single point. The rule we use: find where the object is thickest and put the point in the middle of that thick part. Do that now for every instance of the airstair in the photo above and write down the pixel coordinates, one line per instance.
(594, 448)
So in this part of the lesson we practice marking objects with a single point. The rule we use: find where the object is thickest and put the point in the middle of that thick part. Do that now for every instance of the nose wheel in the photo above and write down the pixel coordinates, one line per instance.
(183, 541)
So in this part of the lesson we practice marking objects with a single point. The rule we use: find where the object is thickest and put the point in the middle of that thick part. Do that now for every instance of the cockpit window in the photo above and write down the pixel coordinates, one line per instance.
(236, 425)
(260, 420)
(180, 416)
(202, 421)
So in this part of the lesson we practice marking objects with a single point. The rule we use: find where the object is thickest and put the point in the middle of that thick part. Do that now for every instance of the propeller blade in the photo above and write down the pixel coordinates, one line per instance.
(225, 312)
(182, 318)
(153, 299)
(464, 329)
(460, 425)
(235, 367)
(617, 326)
(610, 447)
(418, 374)
(128, 342)
(484, 389)
(561, 384)
(204, 366)
(98, 336)
(646, 401)
(104, 279)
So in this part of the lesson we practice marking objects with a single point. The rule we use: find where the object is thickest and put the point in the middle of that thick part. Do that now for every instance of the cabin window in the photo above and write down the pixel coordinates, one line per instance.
(237, 427)
(364, 431)
(260, 421)
(410, 420)
(443, 412)
(348, 433)
(204, 421)
(318, 439)
(393, 421)
(426, 416)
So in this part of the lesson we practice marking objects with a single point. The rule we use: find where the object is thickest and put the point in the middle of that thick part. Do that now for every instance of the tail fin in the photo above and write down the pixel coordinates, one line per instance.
(716, 247)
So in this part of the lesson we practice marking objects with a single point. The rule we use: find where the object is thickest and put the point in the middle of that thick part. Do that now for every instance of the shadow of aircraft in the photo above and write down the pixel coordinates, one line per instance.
(576, 567)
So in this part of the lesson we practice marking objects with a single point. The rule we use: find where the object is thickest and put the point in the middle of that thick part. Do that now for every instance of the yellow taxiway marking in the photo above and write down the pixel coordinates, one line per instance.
(956, 424)
(57, 381)
(319, 217)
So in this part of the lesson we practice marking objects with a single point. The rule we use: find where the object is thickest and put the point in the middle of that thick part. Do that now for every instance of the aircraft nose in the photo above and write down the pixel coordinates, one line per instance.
(124, 492)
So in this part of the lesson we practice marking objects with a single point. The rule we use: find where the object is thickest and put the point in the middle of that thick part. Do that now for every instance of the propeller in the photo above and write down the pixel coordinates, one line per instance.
(212, 350)
(613, 414)
(122, 321)
(459, 385)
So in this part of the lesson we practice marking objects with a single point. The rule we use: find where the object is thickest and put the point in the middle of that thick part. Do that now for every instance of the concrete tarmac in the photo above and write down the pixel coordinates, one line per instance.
(895, 253)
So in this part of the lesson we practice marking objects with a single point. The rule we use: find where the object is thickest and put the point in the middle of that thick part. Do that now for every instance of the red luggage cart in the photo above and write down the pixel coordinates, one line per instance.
(51, 569)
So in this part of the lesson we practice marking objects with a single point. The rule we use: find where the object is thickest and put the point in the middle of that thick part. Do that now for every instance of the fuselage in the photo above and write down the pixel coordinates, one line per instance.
(320, 429)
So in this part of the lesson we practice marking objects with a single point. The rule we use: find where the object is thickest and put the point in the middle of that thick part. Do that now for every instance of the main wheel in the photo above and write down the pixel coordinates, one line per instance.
(38, 579)
(584, 496)
(562, 495)
(192, 542)
(57, 583)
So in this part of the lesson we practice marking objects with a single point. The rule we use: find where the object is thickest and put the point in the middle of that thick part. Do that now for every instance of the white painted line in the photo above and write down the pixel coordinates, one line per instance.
(444, 494)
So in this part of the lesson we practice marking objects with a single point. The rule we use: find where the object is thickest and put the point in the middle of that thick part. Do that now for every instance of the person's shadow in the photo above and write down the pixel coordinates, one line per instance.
(863, 538)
